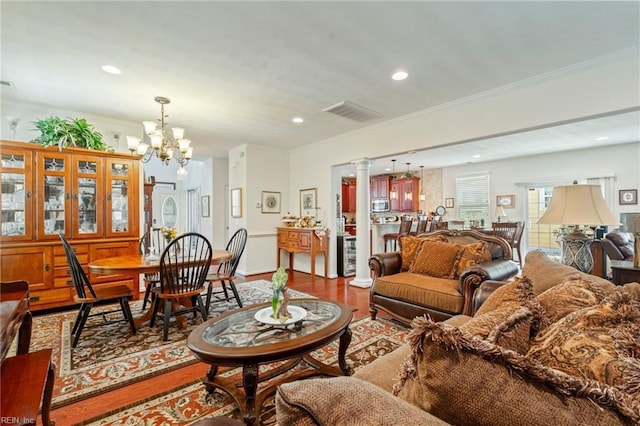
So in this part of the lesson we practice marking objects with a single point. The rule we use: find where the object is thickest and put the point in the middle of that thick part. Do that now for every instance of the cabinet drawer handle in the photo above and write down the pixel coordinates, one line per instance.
(46, 267)
(69, 282)
(28, 194)
(108, 197)
(67, 195)
(34, 298)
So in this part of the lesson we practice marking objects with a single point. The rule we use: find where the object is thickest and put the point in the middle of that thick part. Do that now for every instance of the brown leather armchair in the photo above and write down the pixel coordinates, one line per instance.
(618, 245)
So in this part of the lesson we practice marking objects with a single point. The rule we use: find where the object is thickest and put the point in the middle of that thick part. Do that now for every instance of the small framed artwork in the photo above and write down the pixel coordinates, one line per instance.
(308, 202)
(448, 203)
(204, 206)
(506, 201)
(270, 202)
(628, 196)
(236, 202)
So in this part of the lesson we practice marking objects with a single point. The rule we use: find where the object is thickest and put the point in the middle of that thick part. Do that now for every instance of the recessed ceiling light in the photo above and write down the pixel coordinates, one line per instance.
(111, 69)
(399, 75)
(476, 156)
(297, 120)
(412, 152)
(352, 174)
(602, 138)
(388, 169)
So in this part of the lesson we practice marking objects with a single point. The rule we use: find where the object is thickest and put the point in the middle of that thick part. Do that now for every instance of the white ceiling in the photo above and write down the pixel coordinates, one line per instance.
(238, 72)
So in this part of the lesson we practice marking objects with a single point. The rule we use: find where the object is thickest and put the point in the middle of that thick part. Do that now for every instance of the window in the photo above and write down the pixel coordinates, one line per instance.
(472, 194)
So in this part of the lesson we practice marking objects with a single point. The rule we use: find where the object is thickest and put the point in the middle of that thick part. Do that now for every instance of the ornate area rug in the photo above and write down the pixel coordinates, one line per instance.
(189, 403)
(108, 356)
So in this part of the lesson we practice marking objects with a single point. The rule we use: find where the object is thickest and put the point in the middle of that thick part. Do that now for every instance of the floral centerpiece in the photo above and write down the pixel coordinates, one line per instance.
(169, 233)
(280, 299)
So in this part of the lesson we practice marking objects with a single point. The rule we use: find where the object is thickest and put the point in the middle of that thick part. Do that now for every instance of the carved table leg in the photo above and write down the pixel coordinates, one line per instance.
(250, 384)
(345, 340)
(211, 375)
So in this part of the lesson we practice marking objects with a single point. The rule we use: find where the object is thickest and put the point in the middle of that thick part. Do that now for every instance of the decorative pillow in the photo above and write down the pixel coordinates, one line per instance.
(472, 255)
(504, 327)
(573, 294)
(516, 293)
(594, 342)
(313, 402)
(409, 247)
(463, 379)
(437, 259)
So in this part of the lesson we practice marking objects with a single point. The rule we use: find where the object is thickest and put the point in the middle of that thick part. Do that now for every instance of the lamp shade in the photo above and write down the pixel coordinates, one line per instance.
(578, 205)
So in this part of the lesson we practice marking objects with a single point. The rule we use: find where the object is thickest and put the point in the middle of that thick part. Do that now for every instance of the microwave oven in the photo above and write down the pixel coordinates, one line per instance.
(380, 205)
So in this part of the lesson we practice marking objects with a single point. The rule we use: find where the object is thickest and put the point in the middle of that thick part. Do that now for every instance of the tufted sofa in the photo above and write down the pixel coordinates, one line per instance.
(437, 273)
(553, 346)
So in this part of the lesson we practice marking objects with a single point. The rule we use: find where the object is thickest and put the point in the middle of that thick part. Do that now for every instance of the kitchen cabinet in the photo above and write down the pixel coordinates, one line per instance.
(92, 197)
(380, 187)
(349, 196)
(406, 199)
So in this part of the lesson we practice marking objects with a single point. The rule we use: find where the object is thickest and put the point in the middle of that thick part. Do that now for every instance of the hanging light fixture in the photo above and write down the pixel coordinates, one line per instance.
(164, 145)
(393, 194)
(408, 194)
(422, 196)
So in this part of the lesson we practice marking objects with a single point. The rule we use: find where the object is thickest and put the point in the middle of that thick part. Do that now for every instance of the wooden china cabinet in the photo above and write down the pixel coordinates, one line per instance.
(90, 196)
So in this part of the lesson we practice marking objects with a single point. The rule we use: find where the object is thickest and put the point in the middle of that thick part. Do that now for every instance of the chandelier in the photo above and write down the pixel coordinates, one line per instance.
(164, 145)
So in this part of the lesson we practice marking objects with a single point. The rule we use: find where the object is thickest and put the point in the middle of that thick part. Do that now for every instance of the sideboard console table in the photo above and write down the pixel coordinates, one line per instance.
(624, 272)
(304, 240)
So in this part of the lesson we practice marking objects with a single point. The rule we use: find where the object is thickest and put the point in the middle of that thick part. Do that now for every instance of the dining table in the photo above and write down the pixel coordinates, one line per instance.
(143, 264)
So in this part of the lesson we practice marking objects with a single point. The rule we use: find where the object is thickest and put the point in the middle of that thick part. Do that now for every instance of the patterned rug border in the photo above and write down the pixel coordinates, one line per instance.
(64, 347)
(227, 409)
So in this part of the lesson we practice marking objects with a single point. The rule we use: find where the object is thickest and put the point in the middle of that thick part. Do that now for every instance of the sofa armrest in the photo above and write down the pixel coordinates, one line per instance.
(385, 263)
(345, 400)
(483, 292)
(471, 278)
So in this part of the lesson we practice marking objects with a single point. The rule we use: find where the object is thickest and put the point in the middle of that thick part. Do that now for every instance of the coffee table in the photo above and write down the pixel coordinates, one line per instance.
(238, 339)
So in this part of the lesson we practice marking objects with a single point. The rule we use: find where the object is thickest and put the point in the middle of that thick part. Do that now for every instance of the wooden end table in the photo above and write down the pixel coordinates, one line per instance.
(624, 272)
(238, 339)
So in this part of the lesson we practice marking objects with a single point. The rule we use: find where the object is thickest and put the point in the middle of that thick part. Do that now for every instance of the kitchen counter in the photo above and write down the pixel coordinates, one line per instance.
(379, 229)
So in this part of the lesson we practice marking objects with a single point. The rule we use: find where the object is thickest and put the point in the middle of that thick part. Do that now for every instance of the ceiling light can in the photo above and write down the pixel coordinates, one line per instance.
(399, 75)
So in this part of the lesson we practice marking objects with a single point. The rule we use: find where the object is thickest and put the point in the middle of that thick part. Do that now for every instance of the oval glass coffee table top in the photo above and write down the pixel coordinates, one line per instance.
(242, 329)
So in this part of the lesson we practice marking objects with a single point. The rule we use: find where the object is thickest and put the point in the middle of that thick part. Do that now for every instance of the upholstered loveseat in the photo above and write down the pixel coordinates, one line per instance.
(552, 347)
(437, 273)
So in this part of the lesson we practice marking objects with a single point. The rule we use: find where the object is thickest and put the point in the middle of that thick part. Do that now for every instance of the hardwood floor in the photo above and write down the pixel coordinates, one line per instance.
(108, 402)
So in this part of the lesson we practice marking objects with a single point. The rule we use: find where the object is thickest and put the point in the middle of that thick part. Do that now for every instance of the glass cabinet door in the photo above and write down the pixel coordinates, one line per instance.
(87, 196)
(119, 183)
(54, 200)
(16, 176)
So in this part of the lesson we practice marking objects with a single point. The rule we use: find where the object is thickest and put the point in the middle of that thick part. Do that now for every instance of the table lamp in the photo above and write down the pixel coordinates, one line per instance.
(631, 223)
(577, 205)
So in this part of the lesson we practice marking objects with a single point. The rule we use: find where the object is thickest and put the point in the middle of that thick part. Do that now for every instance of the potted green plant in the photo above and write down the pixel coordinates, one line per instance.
(69, 133)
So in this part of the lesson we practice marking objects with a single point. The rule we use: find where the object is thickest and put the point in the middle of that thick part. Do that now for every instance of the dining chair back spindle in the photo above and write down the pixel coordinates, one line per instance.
(433, 224)
(422, 225)
(226, 272)
(152, 240)
(184, 264)
(516, 242)
(87, 296)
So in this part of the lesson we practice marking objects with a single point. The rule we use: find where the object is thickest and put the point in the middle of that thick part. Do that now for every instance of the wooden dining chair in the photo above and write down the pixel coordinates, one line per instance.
(433, 224)
(422, 225)
(152, 239)
(391, 239)
(87, 296)
(516, 242)
(506, 230)
(226, 272)
(184, 265)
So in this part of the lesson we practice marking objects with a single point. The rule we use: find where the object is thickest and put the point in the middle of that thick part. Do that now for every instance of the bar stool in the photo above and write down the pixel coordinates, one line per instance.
(391, 239)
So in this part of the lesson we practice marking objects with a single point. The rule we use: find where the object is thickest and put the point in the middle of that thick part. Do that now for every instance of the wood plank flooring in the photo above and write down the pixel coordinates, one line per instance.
(335, 289)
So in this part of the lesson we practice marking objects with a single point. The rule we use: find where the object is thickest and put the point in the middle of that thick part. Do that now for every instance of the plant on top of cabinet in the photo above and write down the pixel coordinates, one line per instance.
(72, 132)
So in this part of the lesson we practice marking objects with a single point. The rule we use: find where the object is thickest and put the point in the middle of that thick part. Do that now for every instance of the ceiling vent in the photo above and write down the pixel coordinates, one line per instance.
(352, 111)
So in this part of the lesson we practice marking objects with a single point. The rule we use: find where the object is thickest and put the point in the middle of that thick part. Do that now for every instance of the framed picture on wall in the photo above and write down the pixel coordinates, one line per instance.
(270, 202)
(308, 202)
(628, 196)
(506, 201)
(236, 202)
